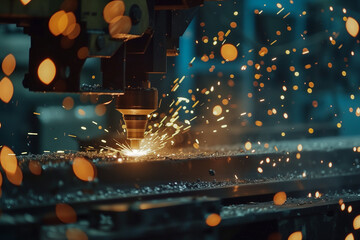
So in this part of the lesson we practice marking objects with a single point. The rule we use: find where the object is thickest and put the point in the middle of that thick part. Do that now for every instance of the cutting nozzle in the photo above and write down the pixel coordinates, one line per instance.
(135, 144)
(135, 105)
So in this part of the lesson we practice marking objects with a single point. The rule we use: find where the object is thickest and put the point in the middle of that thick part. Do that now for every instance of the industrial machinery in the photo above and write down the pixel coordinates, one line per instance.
(133, 39)
(274, 154)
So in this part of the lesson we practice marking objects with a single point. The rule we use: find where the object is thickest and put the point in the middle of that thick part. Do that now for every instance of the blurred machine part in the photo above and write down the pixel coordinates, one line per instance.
(132, 37)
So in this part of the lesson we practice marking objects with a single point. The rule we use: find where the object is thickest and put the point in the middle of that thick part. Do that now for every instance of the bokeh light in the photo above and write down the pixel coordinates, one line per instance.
(279, 198)
(295, 236)
(352, 26)
(213, 220)
(75, 31)
(248, 146)
(120, 27)
(68, 103)
(65, 213)
(58, 23)
(356, 222)
(70, 24)
(350, 236)
(217, 110)
(6, 90)
(15, 178)
(83, 169)
(75, 234)
(47, 71)
(113, 11)
(100, 109)
(83, 53)
(35, 167)
(25, 2)
(8, 160)
(8, 64)
(229, 52)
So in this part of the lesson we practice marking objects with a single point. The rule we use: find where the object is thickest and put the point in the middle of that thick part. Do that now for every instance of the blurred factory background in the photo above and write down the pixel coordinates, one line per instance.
(304, 85)
(281, 77)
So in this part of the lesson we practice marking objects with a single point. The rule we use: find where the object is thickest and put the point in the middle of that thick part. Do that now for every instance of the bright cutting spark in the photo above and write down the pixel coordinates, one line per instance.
(147, 146)
(134, 152)
(162, 127)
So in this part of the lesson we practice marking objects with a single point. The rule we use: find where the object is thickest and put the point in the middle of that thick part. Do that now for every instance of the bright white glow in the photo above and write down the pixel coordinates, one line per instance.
(134, 152)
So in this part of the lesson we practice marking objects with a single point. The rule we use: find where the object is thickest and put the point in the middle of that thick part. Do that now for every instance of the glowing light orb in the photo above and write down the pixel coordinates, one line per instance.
(120, 27)
(229, 52)
(213, 220)
(83, 53)
(75, 32)
(58, 22)
(74, 233)
(25, 2)
(248, 146)
(217, 110)
(263, 51)
(279, 198)
(100, 109)
(8, 160)
(352, 26)
(47, 71)
(65, 213)
(6, 90)
(70, 24)
(8, 64)
(356, 222)
(135, 152)
(68, 103)
(15, 178)
(295, 236)
(35, 167)
(299, 147)
(350, 236)
(113, 11)
(83, 169)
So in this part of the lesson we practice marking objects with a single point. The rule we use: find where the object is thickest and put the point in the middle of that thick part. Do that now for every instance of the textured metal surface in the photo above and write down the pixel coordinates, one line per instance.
(197, 183)
(204, 175)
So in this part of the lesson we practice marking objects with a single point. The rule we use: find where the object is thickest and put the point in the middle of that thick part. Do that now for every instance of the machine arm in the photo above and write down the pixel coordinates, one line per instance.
(132, 37)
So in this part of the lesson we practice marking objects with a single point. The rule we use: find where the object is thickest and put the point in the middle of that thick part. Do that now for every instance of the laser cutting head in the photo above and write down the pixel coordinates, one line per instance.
(135, 105)
(132, 37)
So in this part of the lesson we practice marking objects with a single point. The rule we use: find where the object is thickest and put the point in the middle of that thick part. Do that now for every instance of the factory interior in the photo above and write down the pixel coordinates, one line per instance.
(181, 119)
